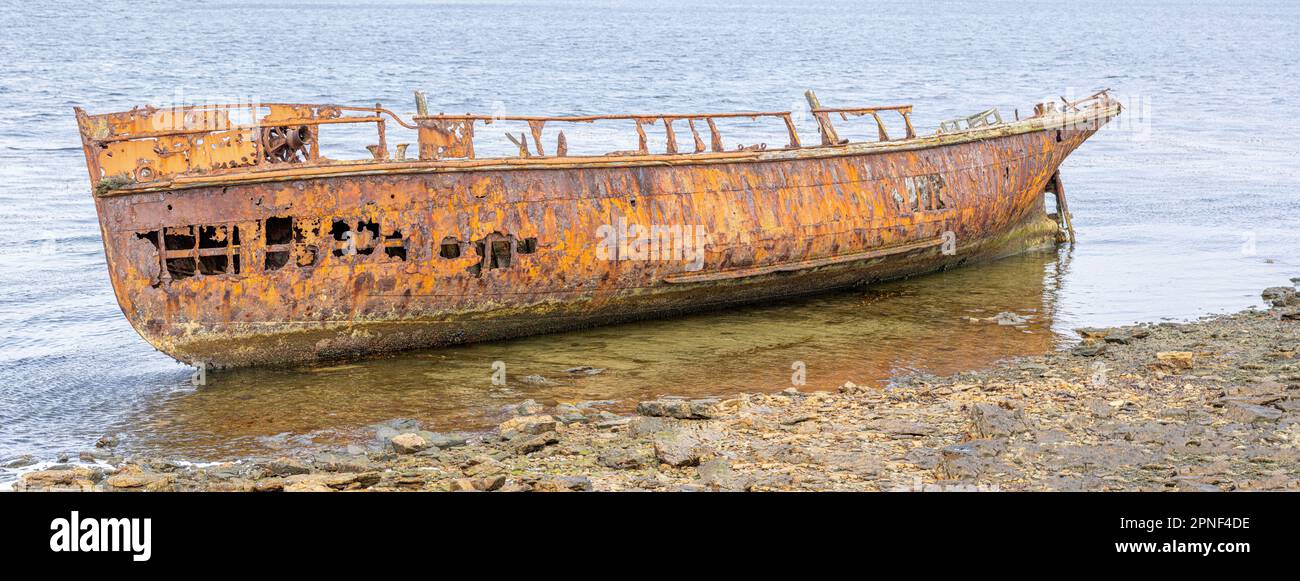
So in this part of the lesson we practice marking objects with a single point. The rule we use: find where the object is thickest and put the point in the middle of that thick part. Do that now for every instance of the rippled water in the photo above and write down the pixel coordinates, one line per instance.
(1186, 206)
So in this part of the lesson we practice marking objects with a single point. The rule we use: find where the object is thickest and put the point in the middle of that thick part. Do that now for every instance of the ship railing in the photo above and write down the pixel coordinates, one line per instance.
(149, 144)
(827, 129)
(452, 136)
(830, 137)
(1101, 97)
(985, 118)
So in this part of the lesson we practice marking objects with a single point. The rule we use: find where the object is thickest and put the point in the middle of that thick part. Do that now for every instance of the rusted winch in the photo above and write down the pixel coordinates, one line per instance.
(286, 143)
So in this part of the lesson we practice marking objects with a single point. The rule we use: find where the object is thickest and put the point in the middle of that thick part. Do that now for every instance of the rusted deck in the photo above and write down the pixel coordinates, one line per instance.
(237, 243)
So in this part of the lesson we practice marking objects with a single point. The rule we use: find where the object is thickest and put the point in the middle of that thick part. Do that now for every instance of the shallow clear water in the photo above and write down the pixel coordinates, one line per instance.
(1184, 206)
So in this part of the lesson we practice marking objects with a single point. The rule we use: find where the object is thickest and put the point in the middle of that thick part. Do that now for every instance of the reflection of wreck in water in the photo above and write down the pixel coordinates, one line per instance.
(862, 335)
(233, 241)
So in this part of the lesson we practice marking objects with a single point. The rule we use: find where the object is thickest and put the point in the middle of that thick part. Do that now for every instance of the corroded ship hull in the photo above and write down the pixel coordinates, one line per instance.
(233, 244)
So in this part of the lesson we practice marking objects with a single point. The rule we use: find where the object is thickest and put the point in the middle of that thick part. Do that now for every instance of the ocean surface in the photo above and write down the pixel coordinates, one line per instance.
(1185, 206)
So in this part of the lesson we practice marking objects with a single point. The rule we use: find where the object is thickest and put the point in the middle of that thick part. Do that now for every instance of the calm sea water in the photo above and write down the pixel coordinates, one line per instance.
(1186, 206)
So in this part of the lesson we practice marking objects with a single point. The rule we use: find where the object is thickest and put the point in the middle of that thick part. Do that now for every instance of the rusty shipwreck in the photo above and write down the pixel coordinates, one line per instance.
(232, 240)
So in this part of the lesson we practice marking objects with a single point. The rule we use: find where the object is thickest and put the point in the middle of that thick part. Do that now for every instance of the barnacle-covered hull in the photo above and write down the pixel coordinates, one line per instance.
(303, 263)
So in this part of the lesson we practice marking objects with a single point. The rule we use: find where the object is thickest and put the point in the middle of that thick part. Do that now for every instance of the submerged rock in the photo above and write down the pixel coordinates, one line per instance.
(21, 461)
(527, 407)
(1008, 318)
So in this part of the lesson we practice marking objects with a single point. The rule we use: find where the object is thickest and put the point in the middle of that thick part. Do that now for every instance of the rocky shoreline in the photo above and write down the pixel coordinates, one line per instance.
(1212, 405)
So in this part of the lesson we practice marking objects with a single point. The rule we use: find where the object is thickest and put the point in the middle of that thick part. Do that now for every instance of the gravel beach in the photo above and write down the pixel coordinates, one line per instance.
(1211, 405)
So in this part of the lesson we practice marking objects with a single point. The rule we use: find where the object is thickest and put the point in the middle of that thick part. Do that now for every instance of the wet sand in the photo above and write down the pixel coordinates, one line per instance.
(1212, 405)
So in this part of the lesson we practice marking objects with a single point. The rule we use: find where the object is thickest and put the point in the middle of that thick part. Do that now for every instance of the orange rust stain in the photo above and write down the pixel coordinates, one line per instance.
(345, 259)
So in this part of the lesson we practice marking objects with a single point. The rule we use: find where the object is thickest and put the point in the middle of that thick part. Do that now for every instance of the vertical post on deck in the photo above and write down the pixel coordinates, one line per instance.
(421, 104)
(829, 136)
(382, 155)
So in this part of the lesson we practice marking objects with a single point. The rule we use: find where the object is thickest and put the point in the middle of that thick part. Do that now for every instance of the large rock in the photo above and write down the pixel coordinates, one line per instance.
(140, 481)
(1089, 349)
(563, 484)
(718, 475)
(993, 420)
(646, 425)
(1174, 360)
(385, 431)
(624, 459)
(567, 413)
(482, 466)
(530, 444)
(535, 424)
(1280, 296)
(1099, 408)
(957, 463)
(442, 441)
(337, 462)
(342, 481)
(527, 407)
(850, 388)
(1248, 413)
(409, 443)
(1093, 333)
(72, 478)
(685, 445)
(307, 486)
(284, 467)
(682, 409)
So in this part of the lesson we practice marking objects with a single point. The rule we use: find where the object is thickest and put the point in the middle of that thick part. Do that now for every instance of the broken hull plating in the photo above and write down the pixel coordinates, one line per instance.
(432, 254)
